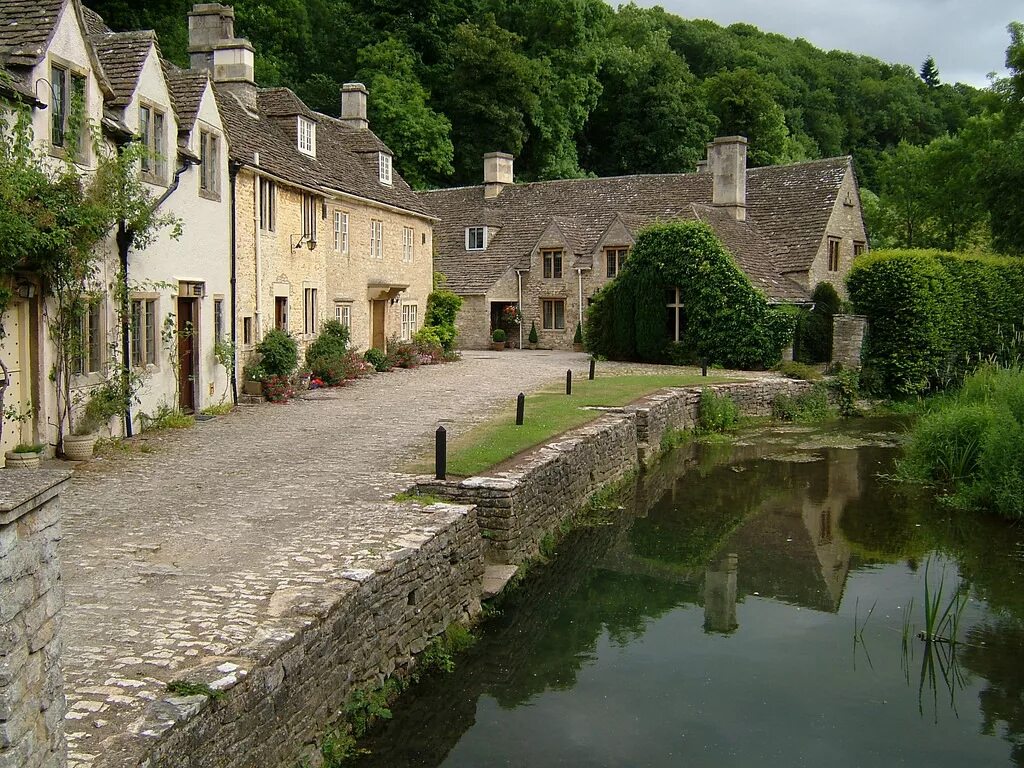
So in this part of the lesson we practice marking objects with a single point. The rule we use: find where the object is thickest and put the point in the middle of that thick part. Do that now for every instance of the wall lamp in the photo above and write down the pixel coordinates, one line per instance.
(303, 240)
(26, 290)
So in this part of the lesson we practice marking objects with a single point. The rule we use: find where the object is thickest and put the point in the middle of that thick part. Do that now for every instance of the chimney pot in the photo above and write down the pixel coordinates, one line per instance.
(353, 105)
(498, 172)
(213, 48)
(727, 160)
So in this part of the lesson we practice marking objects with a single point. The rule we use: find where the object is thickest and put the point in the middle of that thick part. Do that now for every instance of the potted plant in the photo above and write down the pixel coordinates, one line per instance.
(498, 339)
(101, 406)
(253, 375)
(533, 339)
(24, 456)
(577, 339)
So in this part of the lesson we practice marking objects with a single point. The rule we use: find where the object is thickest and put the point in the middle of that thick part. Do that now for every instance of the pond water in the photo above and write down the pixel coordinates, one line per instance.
(752, 604)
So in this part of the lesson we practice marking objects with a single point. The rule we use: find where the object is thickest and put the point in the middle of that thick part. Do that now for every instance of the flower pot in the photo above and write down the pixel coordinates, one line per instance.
(21, 460)
(78, 447)
(531, 345)
(577, 347)
(497, 346)
(251, 387)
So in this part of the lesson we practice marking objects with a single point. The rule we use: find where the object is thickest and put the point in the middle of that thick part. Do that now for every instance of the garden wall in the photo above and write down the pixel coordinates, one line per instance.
(519, 506)
(281, 694)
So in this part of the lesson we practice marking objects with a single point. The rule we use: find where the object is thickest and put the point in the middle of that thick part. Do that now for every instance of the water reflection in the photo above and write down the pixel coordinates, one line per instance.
(712, 625)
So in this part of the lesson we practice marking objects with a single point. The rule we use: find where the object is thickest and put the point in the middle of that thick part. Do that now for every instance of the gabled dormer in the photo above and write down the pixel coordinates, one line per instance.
(384, 168)
(306, 135)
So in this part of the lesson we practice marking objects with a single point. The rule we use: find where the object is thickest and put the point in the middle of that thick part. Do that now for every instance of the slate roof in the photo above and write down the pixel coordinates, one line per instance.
(122, 55)
(25, 29)
(338, 164)
(186, 88)
(787, 211)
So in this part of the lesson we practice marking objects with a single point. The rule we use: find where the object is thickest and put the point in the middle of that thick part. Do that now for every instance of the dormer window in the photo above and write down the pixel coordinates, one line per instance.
(476, 238)
(307, 137)
(384, 167)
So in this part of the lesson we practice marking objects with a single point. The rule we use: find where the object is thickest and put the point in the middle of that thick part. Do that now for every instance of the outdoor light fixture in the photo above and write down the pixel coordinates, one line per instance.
(26, 290)
(296, 244)
(311, 244)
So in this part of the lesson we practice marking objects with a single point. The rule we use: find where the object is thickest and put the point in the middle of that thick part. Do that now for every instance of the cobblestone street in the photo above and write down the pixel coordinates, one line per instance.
(177, 558)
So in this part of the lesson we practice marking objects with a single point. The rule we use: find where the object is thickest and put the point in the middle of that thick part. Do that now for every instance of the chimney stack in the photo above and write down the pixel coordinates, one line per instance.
(727, 160)
(213, 48)
(497, 173)
(353, 105)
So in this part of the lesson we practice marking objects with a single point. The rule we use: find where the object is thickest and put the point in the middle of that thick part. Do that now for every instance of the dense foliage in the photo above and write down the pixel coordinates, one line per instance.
(933, 315)
(279, 353)
(726, 321)
(442, 308)
(813, 343)
(575, 86)
(972, 443)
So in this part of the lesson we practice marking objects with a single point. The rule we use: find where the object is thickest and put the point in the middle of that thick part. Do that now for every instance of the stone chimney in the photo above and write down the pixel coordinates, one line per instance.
(213, 48)
(727, 161)
(353, 105)
(497, 173)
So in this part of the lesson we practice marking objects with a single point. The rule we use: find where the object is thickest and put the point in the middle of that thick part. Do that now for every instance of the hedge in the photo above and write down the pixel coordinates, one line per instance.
(934, 315)
(728, 322)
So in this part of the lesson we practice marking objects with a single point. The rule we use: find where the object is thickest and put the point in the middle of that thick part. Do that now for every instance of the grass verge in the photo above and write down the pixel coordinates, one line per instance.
(549, 413)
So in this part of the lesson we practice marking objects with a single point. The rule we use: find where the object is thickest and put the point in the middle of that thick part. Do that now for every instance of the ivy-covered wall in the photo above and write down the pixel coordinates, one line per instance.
(727, 321)
(934, 315)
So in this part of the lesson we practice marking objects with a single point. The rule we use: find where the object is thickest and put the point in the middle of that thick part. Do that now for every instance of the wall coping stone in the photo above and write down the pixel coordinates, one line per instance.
(24, 490)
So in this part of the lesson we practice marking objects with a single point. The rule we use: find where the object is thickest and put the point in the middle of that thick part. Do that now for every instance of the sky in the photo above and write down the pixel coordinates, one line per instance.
(967, 38)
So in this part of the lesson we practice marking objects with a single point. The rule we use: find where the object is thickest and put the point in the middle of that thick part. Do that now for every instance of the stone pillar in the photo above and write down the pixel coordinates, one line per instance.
(848, 339)
(720, 596)
(31, 604)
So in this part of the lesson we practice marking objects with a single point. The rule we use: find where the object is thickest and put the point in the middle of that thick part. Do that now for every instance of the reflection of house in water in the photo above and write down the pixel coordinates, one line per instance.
(720, 595)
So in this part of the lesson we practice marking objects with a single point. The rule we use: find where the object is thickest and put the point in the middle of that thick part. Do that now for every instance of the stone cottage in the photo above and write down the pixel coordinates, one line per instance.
(547, 247)
(325, 226)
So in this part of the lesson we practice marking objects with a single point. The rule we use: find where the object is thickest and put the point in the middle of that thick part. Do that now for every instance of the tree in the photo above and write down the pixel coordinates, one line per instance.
(904, 191)
(741, 100)
(930, 73)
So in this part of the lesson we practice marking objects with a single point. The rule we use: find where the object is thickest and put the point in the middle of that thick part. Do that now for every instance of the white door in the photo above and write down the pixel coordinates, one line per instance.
(14, 349)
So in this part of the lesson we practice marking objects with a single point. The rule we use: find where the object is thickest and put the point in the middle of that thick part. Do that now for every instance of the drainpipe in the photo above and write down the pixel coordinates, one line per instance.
(579, 277)
(258, 319)
(232, 173)
(124, 241)
(519, 305)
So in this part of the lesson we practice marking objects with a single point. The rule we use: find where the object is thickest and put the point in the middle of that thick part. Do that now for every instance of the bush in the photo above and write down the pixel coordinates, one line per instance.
(499, 336)
(844, 387)
(279, 354)
(442, 308)
(810, 406)
(935, 316)
(427, 337)
(332, 342)
(378, 359)
(105, 402)
(801, 371)
(335, 370)
(253, 372)
(813, 340)
(533, 338)
(727, 321)
(578, 336)
(278, 389)
(716, 413)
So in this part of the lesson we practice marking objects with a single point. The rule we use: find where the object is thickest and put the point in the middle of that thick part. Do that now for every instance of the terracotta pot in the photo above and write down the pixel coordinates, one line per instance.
(497, 346)
(21, 460)
(251, 387)
(577, 347)
(78, 447)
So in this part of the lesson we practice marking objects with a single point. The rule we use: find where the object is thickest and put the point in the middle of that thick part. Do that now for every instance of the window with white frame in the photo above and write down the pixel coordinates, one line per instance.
(143, 332)
(344, 232)
(309, 216)
(407, 244)
(309, 310)
(90, 355)
(410, 314)
(384, 167)
(307, 136)
(337, 231)
(476, 238)
(343, 313)
(376, 239)
(209, 163)
(268, 205)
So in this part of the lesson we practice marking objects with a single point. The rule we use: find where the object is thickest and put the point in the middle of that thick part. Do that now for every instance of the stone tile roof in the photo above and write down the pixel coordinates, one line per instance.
(122, 55)
(94, 24)
(186, 88)
(787, 210)
(338, 164)
(25, 29)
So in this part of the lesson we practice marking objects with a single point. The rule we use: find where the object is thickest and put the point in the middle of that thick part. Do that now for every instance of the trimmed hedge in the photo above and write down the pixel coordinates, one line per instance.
(728, 322)
(934, 316)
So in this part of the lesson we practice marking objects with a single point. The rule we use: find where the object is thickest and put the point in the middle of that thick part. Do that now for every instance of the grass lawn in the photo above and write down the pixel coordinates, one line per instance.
(549, 413)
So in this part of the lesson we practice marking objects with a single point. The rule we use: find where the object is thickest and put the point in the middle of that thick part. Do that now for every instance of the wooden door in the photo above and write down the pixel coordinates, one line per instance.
(379, 338)
(14, 348)
(187, 328)
(281, 313)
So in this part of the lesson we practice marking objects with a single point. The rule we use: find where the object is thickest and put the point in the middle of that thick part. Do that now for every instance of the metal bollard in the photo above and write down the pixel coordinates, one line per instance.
(520, 408)
(593, 362)
(568, 382)
(703, 367)
(441, 453)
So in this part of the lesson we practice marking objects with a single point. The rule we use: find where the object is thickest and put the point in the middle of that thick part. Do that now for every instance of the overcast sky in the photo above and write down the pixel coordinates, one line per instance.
(967, 38)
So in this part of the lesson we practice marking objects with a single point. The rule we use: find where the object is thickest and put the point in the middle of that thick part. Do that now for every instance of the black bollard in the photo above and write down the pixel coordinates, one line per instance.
(568, 382)
(593, 362)
(520, 408)
(441, 453)
(703, 367)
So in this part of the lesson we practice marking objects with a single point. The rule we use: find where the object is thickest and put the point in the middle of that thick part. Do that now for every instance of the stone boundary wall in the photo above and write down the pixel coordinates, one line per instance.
(31, 601)
(517, 507)
(848, 332)
(282, 693)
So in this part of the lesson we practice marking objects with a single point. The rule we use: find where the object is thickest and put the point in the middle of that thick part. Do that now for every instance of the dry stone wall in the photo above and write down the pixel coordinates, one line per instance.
(282, 692)
(31, 598)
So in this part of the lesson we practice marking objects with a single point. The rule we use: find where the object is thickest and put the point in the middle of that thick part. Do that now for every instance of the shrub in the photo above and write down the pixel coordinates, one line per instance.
(499, 336)
(727, 321)
(533, 338)
(794, 370)
(442, 308)
(28, 448)
(810, 406)
(577, 337)
(335, 370)
(378, 359)
(105, 402)
(427, 337)
(716, 413)
(253, 372)
(279, 354)
(813, 341)
(278, 389)
(332, 342)
(844, 387)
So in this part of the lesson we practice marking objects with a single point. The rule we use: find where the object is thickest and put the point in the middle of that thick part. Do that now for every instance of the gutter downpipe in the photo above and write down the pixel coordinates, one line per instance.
(232, 173)
(519, 305)
(258, 324)
(579, 276)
